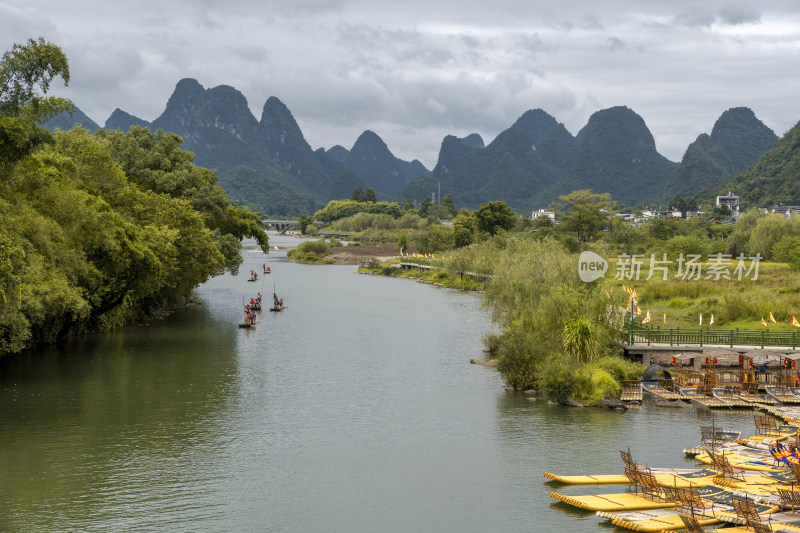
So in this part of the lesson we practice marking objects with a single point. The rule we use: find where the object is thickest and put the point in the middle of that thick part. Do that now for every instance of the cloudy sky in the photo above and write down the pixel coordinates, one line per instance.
(414, 71)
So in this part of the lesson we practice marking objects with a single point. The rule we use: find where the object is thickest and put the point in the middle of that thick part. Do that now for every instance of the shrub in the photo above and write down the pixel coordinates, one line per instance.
(686, 244)
(310, 252)
(462, 237)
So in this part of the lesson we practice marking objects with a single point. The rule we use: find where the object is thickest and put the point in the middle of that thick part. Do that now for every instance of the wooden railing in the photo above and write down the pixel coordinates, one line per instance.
(721, 337)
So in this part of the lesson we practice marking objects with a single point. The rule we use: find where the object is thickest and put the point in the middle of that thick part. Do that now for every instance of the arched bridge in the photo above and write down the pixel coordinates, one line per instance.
(281, 226)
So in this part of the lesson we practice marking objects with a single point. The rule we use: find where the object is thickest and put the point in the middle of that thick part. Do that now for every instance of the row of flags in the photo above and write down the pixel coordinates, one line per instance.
(648, 317)
(426, 256)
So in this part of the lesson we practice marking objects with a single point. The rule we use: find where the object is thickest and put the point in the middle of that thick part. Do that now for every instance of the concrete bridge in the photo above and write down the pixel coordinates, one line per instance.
(281, 226)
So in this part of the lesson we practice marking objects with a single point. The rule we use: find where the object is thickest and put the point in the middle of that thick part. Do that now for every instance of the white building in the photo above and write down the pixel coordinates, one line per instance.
(786, 210)
(731, 201)
(543, 213)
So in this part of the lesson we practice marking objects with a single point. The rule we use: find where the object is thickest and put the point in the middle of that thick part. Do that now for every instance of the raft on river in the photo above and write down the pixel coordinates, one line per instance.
(745, 483)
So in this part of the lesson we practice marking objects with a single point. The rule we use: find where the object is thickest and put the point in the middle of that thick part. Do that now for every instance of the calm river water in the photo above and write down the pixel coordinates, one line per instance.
(356, 409)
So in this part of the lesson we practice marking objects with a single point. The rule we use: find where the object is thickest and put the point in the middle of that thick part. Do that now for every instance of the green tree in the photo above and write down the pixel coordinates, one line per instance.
(466, 219)
(358, 194)
(424, 206)
(435, 239)
(787, 250)
(662, 228)
(303, 222)
(462, 237)
(768, 231)
(584, 214)
(449, 206)
(402, 242)
(25, 72)
(739, 239)
(495, 216)
(369, 195)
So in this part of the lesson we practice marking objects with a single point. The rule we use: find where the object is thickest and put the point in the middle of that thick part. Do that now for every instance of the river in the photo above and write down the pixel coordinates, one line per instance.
(355, 409)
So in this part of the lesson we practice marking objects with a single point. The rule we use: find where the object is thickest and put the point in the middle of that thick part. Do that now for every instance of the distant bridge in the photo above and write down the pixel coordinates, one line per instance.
(281, 226)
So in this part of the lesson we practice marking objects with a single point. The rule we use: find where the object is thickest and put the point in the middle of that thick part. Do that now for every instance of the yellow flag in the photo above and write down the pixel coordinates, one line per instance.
(764, 322)
(646, 318)
(665, 319)
(795, 323)
(772, 318)
(701, 319)
(711, 320)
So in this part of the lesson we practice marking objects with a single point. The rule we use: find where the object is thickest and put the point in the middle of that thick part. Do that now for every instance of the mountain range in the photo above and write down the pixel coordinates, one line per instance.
(268, 164)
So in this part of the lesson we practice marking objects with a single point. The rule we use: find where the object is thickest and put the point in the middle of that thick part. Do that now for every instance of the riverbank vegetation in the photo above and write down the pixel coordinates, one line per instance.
(98, 230)
(313, 252)
(564, 336)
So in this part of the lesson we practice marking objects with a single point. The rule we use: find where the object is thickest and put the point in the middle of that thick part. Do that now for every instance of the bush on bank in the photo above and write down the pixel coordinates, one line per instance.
(311, 252)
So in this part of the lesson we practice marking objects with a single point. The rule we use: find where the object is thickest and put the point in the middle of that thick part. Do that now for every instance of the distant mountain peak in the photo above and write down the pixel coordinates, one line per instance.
(473, 140)
(120, 120)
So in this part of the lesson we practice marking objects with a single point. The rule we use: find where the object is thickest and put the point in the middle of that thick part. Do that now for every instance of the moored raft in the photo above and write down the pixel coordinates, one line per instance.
(761, 462)
(612, 502)
(734, 397)
(652, 519)
(789, 395)
(672, 477)
(705, 397)
(669, 519)
(660, 391)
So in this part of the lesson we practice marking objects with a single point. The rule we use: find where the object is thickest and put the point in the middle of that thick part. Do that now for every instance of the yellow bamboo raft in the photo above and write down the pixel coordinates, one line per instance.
(611, 502)
(680, 478)
(652, 519)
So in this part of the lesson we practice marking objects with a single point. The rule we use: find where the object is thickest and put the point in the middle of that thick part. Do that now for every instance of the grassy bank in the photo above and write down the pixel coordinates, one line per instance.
(734, 303)
(439, 275)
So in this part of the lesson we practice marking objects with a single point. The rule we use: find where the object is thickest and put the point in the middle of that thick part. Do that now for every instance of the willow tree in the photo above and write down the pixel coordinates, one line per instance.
(553, 323)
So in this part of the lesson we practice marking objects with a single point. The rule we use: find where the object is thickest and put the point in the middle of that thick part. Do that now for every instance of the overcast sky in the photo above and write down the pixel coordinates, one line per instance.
(414, 71)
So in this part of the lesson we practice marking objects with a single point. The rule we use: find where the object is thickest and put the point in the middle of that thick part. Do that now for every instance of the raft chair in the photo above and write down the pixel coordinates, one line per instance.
(781, 455)
(746, 510)
(627, 458)
(633, 476)
(692, 524)
(789, 498)
(692, 503)
(721, 463)
(652, 490)
(766, 425)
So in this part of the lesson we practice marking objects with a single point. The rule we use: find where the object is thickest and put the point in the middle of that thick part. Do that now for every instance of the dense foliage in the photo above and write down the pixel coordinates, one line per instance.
(98, 229)
(773, 179)
(337, 209)
(266, 195)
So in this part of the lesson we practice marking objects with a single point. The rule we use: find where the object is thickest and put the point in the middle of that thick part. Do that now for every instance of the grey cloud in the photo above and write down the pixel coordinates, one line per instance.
(735, 14)
(405, 46)
(533, 45)
(696, 18)
(615, 43)
(591, 22)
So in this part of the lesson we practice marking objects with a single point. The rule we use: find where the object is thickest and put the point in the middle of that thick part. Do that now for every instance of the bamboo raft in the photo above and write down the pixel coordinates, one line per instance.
(784, 395)
(704, 396)
(743, 483)
(658, 390)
